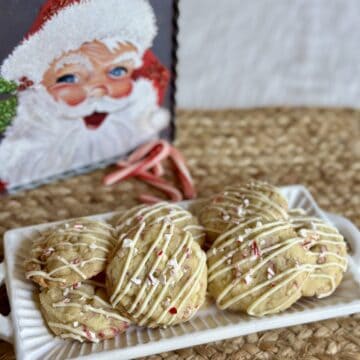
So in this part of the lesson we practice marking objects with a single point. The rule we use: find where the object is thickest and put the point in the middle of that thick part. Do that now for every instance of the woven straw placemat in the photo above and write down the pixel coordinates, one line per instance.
(315, 147)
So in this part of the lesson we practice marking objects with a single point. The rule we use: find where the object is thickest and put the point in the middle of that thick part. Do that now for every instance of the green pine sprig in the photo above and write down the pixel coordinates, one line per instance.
(7, 87)
(7, 112)
(8, 106)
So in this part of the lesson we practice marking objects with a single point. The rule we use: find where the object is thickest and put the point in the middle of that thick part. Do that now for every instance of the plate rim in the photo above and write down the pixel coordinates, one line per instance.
(221, 332)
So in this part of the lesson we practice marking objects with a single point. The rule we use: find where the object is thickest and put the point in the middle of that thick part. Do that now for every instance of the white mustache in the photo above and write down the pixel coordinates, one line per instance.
(89, 106)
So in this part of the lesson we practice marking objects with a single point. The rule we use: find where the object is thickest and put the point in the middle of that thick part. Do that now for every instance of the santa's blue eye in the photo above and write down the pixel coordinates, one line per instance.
(67, 79)
(118, 71)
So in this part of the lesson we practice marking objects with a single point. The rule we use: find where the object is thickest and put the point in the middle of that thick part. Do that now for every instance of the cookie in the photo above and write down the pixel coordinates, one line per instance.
(327, 253)
(256, 200)
(257, 268)
(70, 253)
(158, 276)
(81, 313)
(156, 213)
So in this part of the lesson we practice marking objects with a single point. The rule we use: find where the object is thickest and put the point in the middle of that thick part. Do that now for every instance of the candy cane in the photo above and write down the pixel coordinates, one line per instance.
(183, 173)
(161, 184)
(145, 164)
(159, 153)
(158, 170)
(149, 199)
(143, 150)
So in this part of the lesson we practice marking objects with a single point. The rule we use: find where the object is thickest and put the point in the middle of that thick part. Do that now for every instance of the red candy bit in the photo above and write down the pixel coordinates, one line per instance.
(115, 331)
(173, 311)
(307, 244)
(47, 252)
(76, 285)
(255, 249)
(101, 334)
(139, 218)
(87, 332)
(218, 199)
(159, 253)
(76, 261)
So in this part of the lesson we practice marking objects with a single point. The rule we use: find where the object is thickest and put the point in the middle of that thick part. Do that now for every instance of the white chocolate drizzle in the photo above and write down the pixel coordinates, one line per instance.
(171, 270)
(98, 241)
(228, 245)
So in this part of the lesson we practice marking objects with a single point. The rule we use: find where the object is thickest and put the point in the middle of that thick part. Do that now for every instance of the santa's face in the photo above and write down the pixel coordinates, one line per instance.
(87, 109)
(91, 73)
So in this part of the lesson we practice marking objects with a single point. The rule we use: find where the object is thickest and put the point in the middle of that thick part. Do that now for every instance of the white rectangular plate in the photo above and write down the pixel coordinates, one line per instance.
(33, 340)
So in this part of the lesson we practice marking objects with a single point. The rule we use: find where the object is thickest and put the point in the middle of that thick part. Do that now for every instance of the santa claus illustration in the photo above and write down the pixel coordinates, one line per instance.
(89, 88)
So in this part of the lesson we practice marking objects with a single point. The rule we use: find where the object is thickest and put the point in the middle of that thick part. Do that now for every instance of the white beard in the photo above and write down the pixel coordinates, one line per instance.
(48, 138)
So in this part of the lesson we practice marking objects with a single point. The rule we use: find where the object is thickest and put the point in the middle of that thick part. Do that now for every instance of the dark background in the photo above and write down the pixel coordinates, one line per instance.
(17, 16)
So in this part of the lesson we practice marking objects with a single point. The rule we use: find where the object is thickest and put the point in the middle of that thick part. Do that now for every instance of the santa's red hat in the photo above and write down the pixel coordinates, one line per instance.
(64, 25)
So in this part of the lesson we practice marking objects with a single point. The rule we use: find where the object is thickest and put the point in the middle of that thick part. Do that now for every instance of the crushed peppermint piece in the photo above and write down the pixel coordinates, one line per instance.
(307, 244)
(248, 231)
(262, 242)
(90, 334)
(139, 218)
(48, 251)
(93, 246)
(240, 211)
(226, 217)
(255, 249)
(167, 302)
(240, 239)
(323, 249)
(127, 243)
(75, 324)
(167, 237)
(66, 300)
(78, 226)
(228, 261)
(76, 285)
(246, 202)
(159, 253)
(303, 233)
(66, 292)
(67, 226)
(153, 280)
(76, 261)
(136, 281)
(173, 263)
(259, 224)
(248, 279)
(173, 311)
(270, 272)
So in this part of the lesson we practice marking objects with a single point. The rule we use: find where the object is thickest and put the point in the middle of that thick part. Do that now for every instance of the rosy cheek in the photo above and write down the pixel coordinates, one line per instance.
(120, 88)
(70, 94)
